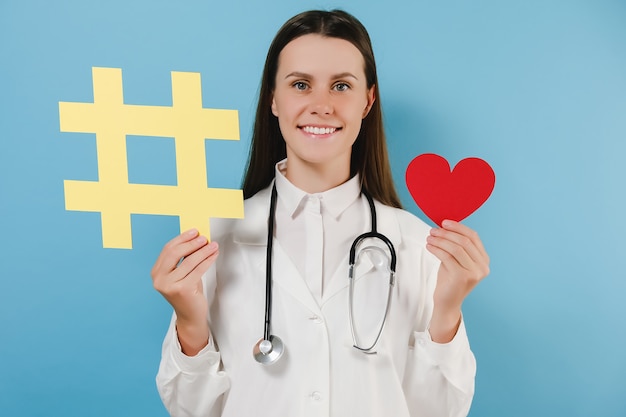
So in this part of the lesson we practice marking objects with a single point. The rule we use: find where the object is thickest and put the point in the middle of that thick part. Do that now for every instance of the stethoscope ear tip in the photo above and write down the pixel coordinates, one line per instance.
(267, 352)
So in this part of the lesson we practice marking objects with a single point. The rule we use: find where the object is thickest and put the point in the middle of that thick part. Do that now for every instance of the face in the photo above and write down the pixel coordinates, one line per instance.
(320, 99)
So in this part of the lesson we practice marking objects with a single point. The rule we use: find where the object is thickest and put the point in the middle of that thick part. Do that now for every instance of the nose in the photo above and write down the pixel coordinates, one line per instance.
(321, 103)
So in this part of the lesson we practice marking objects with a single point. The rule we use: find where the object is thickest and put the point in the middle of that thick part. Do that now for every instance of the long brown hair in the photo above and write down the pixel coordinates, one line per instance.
(369, 152)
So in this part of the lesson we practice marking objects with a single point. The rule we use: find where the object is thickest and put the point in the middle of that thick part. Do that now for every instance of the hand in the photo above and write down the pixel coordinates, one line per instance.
(180, 284)
(464, 263)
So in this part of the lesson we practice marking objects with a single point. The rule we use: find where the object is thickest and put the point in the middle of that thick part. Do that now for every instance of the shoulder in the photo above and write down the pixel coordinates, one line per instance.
(413, 223)
(408, 233)
(410, 226)
(251, 228)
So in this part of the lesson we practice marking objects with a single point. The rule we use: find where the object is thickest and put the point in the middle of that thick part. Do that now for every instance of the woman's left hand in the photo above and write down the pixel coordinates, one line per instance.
(464, 263)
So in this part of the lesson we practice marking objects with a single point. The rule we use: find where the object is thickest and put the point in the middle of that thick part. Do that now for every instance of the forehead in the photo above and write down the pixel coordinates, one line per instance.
(320, 54)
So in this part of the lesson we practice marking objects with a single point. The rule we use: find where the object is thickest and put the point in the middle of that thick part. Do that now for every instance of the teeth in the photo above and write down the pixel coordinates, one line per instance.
(319, 130)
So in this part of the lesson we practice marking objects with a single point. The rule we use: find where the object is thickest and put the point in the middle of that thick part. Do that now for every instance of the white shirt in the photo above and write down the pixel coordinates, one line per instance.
(317, 230)
(320, 373)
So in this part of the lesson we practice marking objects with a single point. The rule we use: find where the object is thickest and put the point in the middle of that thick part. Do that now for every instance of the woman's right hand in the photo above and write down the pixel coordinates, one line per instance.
(180, 283)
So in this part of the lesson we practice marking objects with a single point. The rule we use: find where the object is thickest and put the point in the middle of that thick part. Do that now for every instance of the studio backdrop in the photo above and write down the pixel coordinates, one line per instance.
(536, 88)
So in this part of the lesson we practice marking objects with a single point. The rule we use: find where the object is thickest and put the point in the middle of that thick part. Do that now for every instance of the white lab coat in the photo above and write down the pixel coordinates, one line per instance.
(320, 373)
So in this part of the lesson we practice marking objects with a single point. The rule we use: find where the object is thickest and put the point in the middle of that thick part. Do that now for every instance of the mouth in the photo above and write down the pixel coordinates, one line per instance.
(319, 130)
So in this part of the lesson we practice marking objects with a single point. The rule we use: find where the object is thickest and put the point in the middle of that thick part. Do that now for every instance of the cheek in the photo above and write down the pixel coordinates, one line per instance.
(355, 105)
(358, 111)
(278, 102)
(284, 107)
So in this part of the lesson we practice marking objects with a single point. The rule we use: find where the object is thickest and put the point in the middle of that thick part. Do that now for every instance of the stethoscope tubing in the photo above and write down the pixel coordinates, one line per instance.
(270, 348)
(392, 273)
(268, 265)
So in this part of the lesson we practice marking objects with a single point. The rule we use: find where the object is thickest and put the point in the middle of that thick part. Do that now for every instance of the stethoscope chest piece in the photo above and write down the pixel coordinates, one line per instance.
(269, 351)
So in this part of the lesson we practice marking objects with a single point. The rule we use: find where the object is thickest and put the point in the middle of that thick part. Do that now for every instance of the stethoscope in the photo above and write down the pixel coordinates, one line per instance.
(270, 348)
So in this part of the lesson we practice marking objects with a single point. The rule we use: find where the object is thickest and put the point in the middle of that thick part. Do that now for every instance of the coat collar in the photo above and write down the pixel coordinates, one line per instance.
(252, 230)
(336, 200)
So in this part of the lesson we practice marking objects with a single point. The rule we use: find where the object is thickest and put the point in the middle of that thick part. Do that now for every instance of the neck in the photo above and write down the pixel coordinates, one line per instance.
(316, 178)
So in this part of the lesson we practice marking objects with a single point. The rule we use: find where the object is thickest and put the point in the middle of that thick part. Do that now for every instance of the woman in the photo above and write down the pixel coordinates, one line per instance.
(319, 143)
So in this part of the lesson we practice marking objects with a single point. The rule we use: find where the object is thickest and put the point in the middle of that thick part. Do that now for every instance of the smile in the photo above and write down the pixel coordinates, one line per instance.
(319, 130)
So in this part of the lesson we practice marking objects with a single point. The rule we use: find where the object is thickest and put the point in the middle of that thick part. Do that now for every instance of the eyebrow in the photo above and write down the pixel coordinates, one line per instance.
(298, 74)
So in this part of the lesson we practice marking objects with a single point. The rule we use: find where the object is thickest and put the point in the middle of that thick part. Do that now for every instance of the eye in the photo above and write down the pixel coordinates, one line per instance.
(300, 85)
(341, 87)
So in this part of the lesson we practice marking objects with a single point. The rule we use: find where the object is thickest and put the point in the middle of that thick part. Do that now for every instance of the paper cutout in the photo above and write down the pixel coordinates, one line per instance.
(190, 124)
(442, 194)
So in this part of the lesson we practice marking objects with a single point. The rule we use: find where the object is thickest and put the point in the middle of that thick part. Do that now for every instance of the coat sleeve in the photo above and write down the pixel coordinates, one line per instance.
(439, 378)
(191, 385)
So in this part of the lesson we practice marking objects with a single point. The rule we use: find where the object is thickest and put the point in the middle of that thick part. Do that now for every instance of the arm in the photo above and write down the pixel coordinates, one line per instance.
(190, 386)
(180, 283)
(189, 380)
(464, 263)
(441, 368)
(439, 378)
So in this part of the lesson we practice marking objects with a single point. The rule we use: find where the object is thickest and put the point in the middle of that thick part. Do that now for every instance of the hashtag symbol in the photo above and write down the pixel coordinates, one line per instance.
(186, 121)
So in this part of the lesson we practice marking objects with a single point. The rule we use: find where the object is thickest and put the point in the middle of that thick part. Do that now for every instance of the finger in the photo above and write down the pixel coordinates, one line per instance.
(445, 257)
(192, 263)
(462, 229)
(173, 254)
(188, 275)
(442, 235)
(183, 237)
(203, 266)
(449, 252)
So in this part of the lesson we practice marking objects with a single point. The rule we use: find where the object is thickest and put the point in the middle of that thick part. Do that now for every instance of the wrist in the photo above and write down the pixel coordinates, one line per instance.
(444, 325)
(193, 337)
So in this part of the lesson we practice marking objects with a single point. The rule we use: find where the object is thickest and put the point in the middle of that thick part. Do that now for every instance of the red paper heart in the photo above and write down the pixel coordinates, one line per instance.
(442, 194)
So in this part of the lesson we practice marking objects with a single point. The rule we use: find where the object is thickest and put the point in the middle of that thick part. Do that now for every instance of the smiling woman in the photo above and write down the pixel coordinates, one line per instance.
(320, 98)
(318, 179)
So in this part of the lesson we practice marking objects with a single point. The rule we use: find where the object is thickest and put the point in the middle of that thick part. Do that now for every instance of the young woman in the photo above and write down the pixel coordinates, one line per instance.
(332, 345)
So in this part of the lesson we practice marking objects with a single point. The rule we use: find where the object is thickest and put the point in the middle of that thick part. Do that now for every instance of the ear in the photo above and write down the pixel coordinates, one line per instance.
(274, 110)
(371, 97)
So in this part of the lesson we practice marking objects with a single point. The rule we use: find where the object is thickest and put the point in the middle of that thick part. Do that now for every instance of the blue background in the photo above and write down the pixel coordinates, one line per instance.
(536, 88)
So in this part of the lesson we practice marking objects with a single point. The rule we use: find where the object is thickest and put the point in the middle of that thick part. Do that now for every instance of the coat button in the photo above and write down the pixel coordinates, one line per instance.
(316, 319)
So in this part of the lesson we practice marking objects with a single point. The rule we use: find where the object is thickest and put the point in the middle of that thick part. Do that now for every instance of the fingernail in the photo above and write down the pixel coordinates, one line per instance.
(201, 239)
(446, 223)
(213, 245)
(191, 232)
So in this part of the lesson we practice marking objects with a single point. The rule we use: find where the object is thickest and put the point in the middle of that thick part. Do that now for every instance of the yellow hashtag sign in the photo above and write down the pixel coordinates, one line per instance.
(186, 121)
